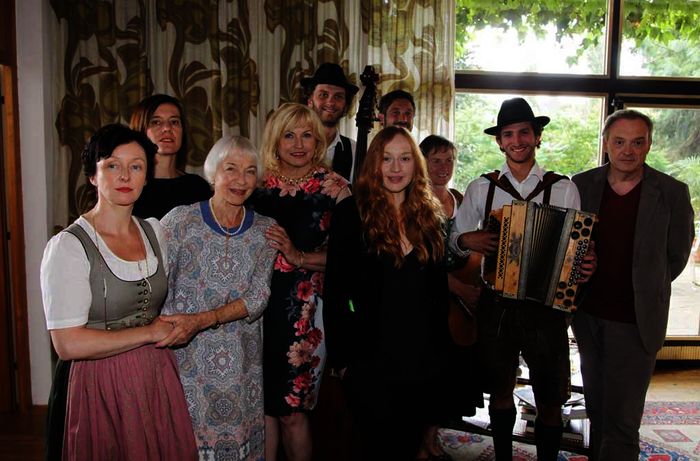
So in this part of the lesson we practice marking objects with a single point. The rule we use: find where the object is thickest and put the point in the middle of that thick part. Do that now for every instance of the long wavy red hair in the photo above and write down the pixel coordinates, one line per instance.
(420, 215)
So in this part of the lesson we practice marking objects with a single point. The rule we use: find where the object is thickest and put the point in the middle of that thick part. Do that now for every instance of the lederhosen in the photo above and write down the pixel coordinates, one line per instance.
(105, 315)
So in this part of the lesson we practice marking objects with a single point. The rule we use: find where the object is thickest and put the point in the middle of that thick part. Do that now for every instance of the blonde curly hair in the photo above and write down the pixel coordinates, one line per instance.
(287, 117)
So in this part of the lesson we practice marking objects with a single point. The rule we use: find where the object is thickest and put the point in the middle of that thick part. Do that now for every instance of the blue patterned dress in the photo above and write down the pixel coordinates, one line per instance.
(221, 369)
(294, 340)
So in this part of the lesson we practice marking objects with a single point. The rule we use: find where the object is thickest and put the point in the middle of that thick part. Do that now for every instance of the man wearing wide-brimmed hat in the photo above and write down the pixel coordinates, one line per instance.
(509, 327)
(329, 94)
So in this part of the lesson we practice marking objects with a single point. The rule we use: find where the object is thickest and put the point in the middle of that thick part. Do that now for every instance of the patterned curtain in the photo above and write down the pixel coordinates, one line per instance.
(232, 62)
(411, 44)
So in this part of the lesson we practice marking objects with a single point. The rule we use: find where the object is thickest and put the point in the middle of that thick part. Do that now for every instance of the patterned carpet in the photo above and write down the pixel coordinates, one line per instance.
(670, 432)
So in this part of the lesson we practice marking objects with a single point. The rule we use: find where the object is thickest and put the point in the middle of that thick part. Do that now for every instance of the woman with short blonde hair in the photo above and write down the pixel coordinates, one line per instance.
(286, 116)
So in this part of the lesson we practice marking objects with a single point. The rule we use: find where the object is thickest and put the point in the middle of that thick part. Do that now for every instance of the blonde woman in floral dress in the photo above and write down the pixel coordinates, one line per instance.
(300, 193)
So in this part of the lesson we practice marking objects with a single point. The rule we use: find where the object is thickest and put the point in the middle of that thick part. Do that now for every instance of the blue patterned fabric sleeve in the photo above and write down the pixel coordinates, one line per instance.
(257, 294)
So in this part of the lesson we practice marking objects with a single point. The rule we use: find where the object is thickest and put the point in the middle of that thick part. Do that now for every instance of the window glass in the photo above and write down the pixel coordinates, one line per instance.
(675, 150)
(570, 142)
(561, 37)
(660, 38)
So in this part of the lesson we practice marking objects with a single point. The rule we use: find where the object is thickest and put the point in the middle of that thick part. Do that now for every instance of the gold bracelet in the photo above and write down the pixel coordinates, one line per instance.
(301, 259)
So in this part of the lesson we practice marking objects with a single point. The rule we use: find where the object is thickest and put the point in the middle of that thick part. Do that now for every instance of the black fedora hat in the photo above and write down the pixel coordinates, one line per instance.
(515, 110)
(330, 73)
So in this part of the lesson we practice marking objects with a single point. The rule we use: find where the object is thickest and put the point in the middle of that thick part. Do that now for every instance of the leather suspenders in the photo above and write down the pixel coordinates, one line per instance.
(545, 185)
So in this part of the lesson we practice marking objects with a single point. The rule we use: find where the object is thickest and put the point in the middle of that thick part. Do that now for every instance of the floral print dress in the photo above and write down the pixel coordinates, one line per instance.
(293, 338)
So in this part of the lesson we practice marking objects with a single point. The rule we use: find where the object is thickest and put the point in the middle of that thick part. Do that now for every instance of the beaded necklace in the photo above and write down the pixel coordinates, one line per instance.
(224, 229)
(294, 181)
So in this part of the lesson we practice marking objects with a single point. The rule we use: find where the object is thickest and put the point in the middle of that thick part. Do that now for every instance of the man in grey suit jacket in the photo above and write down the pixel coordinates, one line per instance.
(644, 236)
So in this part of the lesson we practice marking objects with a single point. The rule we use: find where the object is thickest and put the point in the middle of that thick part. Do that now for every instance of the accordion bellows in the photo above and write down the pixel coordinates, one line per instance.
(540, 251)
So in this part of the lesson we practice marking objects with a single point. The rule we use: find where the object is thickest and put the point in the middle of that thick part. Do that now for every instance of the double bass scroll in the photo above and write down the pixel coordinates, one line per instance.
(365, 116)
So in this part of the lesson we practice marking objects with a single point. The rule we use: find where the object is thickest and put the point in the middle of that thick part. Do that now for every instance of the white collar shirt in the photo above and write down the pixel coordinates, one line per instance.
(330, 152)
(471, 212)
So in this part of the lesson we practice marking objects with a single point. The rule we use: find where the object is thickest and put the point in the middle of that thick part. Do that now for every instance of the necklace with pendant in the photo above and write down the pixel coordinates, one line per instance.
(226, 264)
(224, 229)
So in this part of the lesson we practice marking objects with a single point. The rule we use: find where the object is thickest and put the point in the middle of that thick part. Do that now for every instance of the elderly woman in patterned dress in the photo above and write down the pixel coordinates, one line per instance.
(220, 268)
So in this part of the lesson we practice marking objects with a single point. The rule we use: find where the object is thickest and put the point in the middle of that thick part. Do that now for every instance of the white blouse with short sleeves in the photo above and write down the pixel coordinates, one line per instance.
(65, 273)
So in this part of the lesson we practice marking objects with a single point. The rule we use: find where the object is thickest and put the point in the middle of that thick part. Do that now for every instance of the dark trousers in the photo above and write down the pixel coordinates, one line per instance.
(616, 373)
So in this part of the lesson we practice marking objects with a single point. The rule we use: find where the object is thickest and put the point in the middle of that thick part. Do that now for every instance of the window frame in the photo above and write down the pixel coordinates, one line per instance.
(617, 91)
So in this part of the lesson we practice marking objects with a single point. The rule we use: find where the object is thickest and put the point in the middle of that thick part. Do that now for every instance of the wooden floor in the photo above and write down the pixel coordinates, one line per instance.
(22, 437)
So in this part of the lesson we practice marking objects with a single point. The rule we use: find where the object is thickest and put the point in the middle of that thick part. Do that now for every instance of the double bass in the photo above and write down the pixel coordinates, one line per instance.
(365, 117)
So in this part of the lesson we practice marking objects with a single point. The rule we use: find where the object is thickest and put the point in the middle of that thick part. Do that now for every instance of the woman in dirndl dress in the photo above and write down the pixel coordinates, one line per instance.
(103, 280)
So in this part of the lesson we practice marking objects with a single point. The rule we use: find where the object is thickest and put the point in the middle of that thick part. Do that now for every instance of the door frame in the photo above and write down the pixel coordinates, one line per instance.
(13, 242)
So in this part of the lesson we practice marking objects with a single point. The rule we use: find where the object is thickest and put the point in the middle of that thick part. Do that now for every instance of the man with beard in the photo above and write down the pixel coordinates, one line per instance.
(330, 95)
(397, 108)
(506, 327)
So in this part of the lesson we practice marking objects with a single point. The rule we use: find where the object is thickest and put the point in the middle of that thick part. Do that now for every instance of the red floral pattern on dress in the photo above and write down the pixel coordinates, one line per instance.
(311, 186)
(292, 400)
(271, 181)
(316, 196)
(303, 382)
(314, 337)
(317, 282)
(302, 326)
(282, 265)
(305, 290)
(302, 355)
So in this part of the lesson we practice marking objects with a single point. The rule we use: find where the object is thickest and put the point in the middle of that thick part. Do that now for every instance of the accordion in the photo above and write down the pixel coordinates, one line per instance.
(540, 251)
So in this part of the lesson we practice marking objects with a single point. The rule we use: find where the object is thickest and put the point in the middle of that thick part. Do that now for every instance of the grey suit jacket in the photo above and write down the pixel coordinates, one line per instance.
(663, 237)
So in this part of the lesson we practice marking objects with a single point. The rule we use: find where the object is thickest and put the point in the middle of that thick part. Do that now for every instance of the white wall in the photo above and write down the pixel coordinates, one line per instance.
(36, 143)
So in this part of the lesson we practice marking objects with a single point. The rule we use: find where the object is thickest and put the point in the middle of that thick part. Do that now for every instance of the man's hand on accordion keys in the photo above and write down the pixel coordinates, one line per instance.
(480, 241)
(589, 263)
